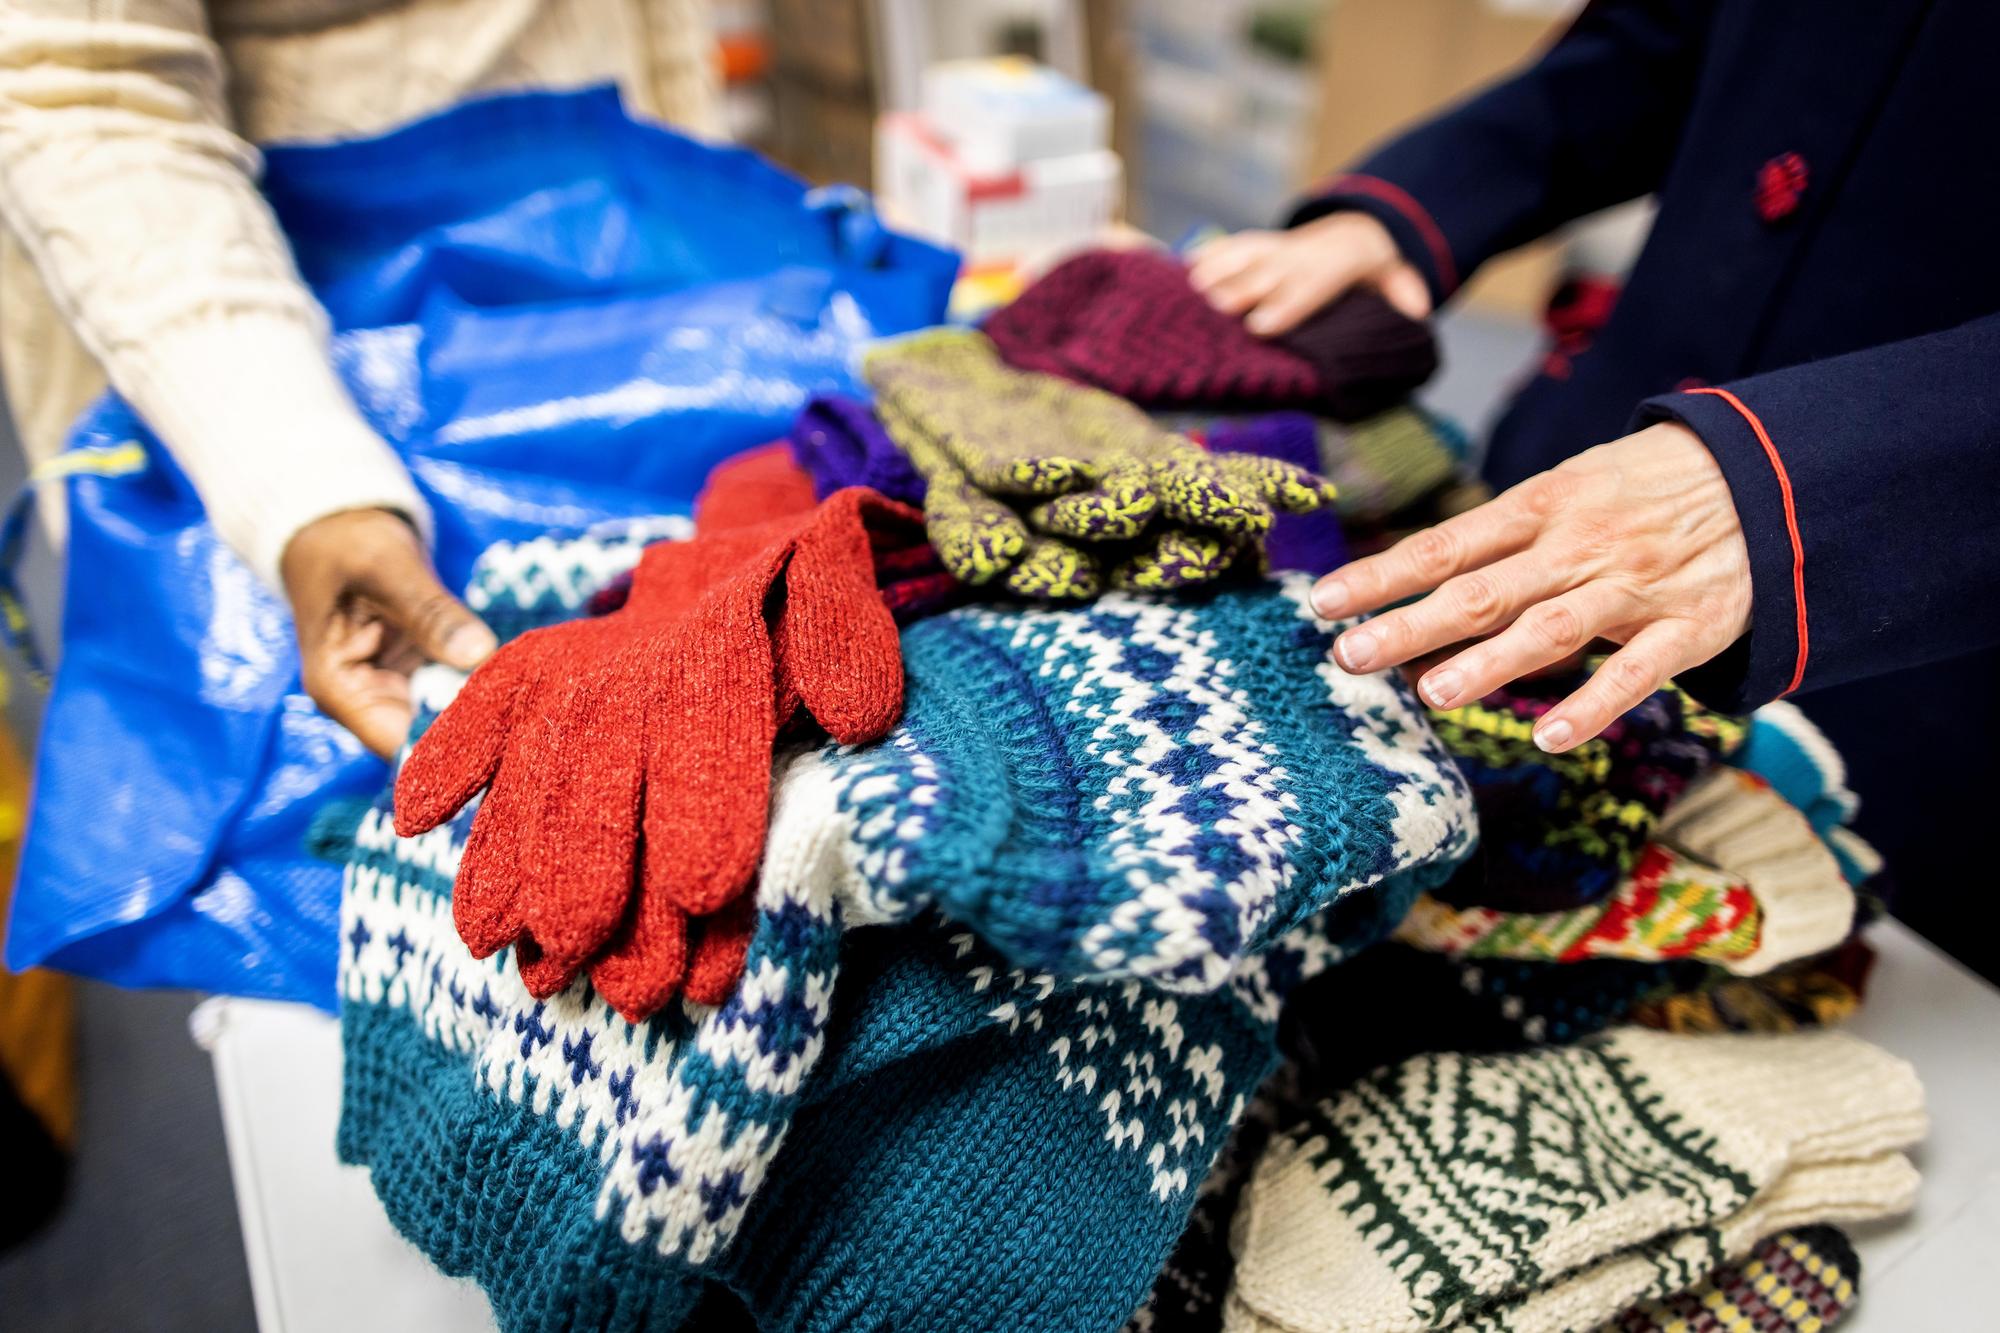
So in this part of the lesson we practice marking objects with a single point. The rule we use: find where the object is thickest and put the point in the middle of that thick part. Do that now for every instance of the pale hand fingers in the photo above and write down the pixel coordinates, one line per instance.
(1226, 257)
(1301, 293)
(1405, 289)
(1620, 684)
(1549, 632)
(1256, 281)
(1423, 560)
(1465, 606)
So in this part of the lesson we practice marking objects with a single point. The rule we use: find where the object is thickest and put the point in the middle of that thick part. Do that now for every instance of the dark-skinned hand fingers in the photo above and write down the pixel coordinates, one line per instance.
(1618, 685)
(1547, 632)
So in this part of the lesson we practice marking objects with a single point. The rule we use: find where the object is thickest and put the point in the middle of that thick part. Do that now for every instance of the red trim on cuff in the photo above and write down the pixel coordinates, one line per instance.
(1401, 200)
(1791, 521)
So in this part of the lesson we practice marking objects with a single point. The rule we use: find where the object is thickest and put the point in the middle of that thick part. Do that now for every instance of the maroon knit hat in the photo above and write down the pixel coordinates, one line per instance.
(1128, 321)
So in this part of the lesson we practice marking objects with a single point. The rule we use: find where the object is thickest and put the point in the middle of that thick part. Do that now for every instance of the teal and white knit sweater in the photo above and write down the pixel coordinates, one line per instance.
(1147, 821)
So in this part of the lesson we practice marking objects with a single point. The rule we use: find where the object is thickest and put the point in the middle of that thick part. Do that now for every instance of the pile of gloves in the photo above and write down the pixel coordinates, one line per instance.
(789, 925)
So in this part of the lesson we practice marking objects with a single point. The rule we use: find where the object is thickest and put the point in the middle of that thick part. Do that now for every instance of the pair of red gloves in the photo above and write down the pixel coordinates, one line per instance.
(626, 758)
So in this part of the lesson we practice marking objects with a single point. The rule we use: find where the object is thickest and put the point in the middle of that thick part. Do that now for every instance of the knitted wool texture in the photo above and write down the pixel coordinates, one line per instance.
(1565, 830)
(1108, 496)
(1430, 1003)
(1311, 543)
(1799, 1281)
(1379, 466)
(851, 1138)
(1735, 875)
(1784, 748)
(1551, 1190)
(839, 442)
(659, 719)
(1814, 992)
(769, 482)
(1151, 788)
(1128, 321)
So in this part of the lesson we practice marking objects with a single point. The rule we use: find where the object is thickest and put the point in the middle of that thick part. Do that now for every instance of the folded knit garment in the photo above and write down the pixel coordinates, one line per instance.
(1783, 747)
(853, 1137)
(1565, 830)
(1150, 787)
(1426, 1003)
(1804, 1280)
(1734, 876)
(1553, 1189)
(1130, 322)
(1821, 991)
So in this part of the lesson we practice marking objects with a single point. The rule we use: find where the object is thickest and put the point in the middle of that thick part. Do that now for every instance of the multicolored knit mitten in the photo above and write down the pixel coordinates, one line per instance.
(1551, 1190)
(1054, 488)
(635, 749)
(1734, 876)
(1562, 831)
(1822, 991)
(1800, 1281)
(1129, 321)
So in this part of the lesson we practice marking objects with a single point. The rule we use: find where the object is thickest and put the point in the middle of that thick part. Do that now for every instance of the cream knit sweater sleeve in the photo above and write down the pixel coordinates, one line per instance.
(121, 177)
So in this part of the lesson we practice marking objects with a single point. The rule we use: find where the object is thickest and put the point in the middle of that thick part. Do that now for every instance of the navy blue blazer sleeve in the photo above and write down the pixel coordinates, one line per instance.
(1869, 490)
(1592, 123)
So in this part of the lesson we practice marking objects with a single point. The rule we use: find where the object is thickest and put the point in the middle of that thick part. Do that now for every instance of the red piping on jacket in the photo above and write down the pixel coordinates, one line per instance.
(1791, 522)
(1400, 199)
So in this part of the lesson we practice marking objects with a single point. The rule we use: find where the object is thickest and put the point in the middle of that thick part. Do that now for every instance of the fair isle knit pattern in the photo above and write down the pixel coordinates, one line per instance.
(594, 1174)
(1565, 830)
(1668, 907)
(1151, 788)
(1735, 876)
(1550, 1190)
(1800, 1281)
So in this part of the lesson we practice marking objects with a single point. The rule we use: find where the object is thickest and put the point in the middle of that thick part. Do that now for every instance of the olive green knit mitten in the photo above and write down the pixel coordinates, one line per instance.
(1088, 466)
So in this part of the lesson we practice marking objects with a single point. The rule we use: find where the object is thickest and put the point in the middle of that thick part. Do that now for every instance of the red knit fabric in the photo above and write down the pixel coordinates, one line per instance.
(626, 759)
(1128, 321)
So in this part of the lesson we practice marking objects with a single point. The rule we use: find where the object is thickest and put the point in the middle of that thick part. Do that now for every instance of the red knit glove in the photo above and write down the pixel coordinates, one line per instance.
(627, 758)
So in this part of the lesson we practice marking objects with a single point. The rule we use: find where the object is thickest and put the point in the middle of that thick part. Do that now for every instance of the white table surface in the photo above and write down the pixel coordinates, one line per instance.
(310, 1225)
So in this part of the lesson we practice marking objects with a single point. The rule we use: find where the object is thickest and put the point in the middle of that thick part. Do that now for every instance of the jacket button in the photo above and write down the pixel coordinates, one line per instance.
(1780, 183)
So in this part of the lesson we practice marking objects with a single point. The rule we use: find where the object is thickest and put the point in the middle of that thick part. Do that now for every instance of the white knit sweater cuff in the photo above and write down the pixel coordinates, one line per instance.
(251, 409)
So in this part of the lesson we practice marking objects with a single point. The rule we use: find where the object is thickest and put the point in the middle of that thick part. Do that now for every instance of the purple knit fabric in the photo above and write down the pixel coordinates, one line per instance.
(1311, 542)
(839, 442)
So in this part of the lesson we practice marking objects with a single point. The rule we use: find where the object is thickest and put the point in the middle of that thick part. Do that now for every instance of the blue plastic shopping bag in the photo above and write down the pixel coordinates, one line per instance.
(560, 317)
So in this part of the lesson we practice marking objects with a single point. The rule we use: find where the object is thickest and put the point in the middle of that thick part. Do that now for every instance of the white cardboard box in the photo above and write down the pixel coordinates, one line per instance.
(991, 217)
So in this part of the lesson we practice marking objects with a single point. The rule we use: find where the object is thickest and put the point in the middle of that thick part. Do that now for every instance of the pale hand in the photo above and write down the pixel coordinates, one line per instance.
(1277, 279)
(369, 611)
(1636, 541)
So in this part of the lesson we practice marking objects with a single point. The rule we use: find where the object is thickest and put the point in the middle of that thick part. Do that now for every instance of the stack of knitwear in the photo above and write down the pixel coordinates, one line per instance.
(1565, 830)
(1815, 992)
(1130, 322)
(1553, 1190)
(1429, 1003)
(853, 1135)
(1055, 491)
(1734, 876)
